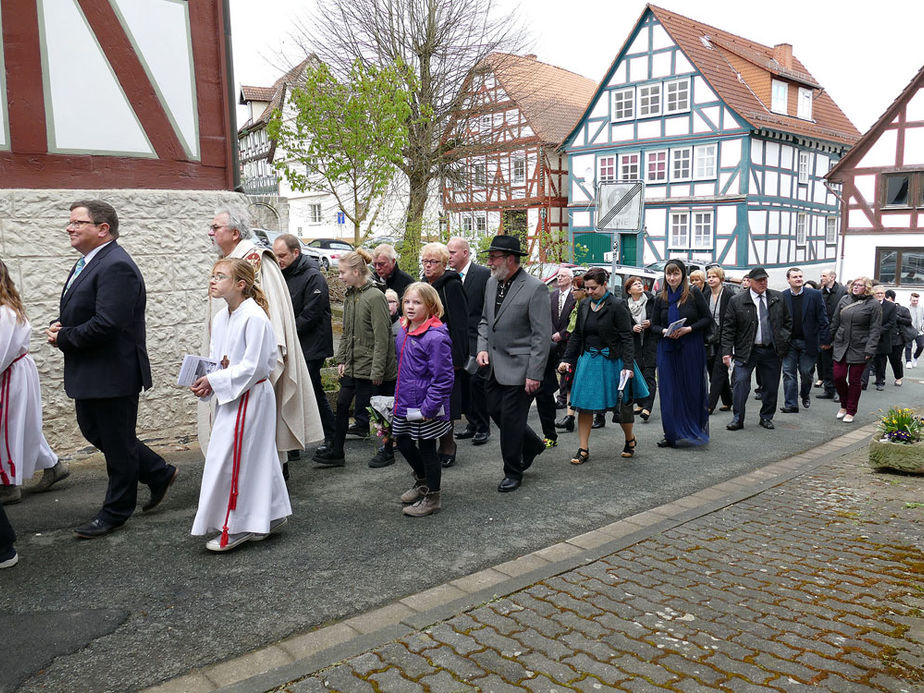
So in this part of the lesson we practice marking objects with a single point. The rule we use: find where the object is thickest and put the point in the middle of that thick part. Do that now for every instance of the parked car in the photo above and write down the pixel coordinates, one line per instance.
(266, 238)
(331, 250)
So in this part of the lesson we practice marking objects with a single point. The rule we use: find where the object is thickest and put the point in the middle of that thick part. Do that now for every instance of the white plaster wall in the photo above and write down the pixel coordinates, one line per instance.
(166, 233)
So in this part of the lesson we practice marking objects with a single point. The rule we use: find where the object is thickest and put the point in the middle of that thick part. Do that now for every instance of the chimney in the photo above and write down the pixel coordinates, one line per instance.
(782, 53)
(530, 56)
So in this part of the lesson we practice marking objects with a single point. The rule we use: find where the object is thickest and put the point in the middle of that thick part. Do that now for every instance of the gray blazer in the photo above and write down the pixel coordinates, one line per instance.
(518, 338)
(855, 327)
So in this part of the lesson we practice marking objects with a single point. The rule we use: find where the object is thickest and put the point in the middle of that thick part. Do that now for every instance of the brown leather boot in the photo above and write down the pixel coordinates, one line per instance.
(413, 494)
(427, 505)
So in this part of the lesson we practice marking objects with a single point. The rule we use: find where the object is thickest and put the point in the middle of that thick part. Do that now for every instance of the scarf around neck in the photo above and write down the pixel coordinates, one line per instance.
(637, 308)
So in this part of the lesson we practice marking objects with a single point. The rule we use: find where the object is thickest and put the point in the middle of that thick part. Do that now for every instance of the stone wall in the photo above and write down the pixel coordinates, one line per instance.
(166, 232)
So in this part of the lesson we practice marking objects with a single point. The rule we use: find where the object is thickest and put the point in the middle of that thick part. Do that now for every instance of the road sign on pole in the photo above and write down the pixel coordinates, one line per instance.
(620, 206)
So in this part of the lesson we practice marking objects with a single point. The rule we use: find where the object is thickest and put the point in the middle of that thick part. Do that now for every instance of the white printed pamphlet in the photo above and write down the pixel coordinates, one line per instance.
(194, 367)
(674, 326)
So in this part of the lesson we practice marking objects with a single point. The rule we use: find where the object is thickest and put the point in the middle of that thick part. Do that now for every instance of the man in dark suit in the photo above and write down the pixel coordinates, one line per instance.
(832, 293)
(561, 303)
(513, 342)
(810, 332)
(101, 332)
(755, 334)
(474, 402)
(877, 364)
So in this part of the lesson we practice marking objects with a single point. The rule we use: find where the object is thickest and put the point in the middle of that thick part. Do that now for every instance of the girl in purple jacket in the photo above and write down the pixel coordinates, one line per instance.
(425, 379)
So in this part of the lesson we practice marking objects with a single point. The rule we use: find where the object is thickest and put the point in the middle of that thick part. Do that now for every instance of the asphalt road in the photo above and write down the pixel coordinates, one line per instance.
(149, 602)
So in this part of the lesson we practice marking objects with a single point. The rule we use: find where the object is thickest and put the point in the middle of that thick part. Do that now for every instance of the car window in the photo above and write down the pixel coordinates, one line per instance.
(340, 246)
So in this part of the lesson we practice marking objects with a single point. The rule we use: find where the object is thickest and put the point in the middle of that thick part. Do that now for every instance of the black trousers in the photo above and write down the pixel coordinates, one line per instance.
(509, 407)
(877, 366)
(719, 387)
(826, 369)
(422, 457)
(767, 363)
(545, 399)
(109, 425)
(7, 535)
(328, 422)
(897, 362)
(360, 390)
(474, 401)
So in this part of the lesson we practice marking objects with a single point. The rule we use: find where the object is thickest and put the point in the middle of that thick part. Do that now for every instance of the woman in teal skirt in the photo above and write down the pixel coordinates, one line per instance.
(599, 353)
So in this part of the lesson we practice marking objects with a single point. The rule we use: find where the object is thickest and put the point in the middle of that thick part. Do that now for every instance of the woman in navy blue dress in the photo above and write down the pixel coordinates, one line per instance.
(682, 358)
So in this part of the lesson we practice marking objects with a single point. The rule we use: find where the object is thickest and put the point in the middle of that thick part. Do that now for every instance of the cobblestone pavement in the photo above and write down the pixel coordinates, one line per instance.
(817, 581)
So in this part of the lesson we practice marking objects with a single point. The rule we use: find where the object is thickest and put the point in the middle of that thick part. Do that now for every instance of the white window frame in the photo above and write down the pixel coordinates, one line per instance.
(314, 213)
(673, 219)
(804, 104)
(831, 230)
(702, 229)
(804, 161)
(703, 155)
(611, 162)
(481, 223)
(467, 224)
(675, 154)
(801, 228)
(649, 156)
(625, 161)
(626, 106)
(648, 111)
(518, 170)
(678, 85)
(779, 96)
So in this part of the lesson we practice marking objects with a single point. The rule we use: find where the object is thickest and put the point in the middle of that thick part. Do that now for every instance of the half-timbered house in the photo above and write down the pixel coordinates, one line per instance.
(512, 177)
(882, 195)
(731, 138)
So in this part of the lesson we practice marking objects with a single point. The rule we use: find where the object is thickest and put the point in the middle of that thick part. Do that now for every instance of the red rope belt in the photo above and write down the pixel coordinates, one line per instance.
(236, 449)
(5, 410)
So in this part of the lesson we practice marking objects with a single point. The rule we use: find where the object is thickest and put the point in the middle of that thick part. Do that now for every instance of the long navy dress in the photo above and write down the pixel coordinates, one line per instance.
(681, 362)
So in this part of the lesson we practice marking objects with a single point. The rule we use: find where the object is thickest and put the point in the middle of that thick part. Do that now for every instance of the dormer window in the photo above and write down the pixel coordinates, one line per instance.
(805, 103)
(779, 96)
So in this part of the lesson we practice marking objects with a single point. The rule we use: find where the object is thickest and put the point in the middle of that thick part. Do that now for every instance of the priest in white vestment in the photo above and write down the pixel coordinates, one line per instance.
(297, 420)
(243, 494)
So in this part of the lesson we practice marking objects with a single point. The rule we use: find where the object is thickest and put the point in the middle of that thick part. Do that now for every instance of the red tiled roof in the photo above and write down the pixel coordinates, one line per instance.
(275, 94)
(256, 94)
(871, 135)
(551, 99)
(830, 123)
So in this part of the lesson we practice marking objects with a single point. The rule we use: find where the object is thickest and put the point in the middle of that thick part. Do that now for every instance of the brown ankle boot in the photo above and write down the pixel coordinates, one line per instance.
(413, 494)
(427, 505)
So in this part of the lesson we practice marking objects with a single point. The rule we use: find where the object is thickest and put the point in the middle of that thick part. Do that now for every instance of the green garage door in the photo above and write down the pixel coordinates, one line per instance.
(590, 247)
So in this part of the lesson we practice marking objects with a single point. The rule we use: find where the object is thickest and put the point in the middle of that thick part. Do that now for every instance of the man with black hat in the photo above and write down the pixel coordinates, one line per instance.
(756, 333)
(514, 337)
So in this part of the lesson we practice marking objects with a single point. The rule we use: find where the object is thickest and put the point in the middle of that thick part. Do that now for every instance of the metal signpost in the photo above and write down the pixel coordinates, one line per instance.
(620, 207)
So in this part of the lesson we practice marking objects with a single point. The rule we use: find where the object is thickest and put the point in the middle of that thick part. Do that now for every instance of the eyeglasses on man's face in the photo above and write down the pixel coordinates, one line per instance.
(79, 223)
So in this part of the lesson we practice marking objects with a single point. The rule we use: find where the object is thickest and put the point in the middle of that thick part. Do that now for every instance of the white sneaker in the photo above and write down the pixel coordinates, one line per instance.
(275, 525)
(914, 363)
(234, 540)
(10, 562)
(909, 364)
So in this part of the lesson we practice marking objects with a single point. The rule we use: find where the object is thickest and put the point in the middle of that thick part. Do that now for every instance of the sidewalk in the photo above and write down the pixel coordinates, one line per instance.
(808, 571)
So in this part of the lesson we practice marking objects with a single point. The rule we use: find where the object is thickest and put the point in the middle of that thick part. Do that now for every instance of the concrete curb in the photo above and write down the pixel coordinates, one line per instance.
(300, 655)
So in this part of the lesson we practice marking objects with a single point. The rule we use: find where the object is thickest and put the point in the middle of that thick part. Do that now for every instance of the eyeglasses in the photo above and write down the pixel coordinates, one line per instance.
(77, 223)
(217, 277)
(432, 262)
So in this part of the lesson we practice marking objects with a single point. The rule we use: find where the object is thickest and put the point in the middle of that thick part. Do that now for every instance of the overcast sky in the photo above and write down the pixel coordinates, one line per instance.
(863, 56)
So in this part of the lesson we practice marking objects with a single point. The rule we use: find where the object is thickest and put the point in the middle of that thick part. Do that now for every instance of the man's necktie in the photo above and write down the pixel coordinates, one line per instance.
(78, 268)
(766, 336)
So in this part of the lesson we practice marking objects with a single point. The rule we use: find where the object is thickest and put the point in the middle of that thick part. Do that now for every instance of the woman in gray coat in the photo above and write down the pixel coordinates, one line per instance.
(856, 324)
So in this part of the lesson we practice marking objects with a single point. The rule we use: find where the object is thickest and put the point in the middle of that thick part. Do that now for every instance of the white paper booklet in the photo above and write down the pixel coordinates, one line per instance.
(623, 379)
(414, 414)
(194, 367)
(674, 326)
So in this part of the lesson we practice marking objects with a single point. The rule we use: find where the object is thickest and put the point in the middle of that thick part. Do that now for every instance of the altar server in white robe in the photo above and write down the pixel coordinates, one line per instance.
(243, 493)
(23, 448)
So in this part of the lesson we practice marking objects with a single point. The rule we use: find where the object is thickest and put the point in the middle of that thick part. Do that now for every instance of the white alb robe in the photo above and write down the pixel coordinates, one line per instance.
(246, 338)
(297, 418)
(21, 438)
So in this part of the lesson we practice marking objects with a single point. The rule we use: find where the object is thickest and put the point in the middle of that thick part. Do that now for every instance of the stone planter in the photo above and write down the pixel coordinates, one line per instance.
(905, 457)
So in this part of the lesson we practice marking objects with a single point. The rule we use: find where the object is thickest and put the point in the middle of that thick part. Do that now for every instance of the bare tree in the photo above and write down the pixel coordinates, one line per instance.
(441, 41)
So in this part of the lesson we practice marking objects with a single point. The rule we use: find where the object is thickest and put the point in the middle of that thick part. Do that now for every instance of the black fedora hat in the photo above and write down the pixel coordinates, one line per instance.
(506, 244)
(757, 273)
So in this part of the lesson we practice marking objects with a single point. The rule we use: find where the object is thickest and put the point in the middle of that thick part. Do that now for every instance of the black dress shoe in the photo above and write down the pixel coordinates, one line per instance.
(356, 430)
(565, 423)
(447, 461)
(599, 421)
(481, 438)
(465, 434)
(329, 458)
(789, 410)
(766, 423)
(508, 485)
(157, 495)
(806, 402)
(735, 426)
(382, 458)
(825, 395)
(665, 443)
(95, 528)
